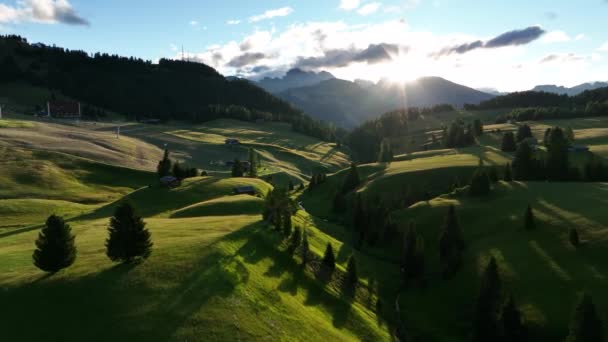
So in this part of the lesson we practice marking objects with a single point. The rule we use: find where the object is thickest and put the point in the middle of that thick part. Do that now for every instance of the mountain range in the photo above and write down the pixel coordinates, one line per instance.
(348, 104)
(550, 88)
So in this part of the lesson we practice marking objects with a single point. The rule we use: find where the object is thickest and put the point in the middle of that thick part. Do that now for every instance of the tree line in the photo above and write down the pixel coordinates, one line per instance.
(140, 89)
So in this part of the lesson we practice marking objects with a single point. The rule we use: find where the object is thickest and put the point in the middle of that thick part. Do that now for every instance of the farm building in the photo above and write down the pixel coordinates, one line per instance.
(232, 142)
(244, 190)
(63, 109)
(170, 181)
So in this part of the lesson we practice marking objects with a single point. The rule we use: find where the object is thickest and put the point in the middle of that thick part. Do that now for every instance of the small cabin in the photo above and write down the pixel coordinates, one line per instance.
(63, 109)
(244, 190)
(232, 142)
(170, 182)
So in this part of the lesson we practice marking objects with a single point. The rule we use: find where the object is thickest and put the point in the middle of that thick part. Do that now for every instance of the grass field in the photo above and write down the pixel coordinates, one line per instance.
(541, 268)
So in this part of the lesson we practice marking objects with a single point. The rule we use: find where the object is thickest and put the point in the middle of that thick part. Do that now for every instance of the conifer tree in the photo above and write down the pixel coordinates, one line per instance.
(55, 249)
(164, 166)
(508, 142)
(305, 250)
(237, 169)
(296, 239)
(291, 187)
(287, 226)
(523, 132)
(478, 127)
(351, 271)
(585, 325)
(523, 165)
(508, 173)
(386, 152)
(412, 264)
(128, 237)
(557, 163)
(253, 163)
(451, 243)
(510, 319)
(529, 220)
(352, 180)
(573, 236)
(486, 318)
(480, 182)
(493, 174)
(178, 171)
(329, 259)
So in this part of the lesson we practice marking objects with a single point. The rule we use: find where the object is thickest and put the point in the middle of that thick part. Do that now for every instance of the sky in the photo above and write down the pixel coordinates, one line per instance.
(504, 45)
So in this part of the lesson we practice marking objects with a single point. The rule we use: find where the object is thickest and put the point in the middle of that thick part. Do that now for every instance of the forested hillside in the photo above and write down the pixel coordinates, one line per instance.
(141, 89)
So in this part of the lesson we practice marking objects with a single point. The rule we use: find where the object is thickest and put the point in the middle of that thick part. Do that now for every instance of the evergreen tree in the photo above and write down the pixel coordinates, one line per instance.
(586, 325)
(237, 169)
(480, 183)
(486, 318)
(510, 319)
(529, 220)
(508, 173)
(569, 134)
(574, 238)
(291, 187)
(523, 164)
(386, 152)
(351, 271)
(478, 127)
(164, 166)
(339, 204)
(277, 205)
(55, 249)
(253, 163)
(412, 264)
(360, 218)
(352, 180)
(178, 171)
(508, 142)
(451, 243)
(329, 259)
(287, 226)
(128, 237)
(493, 174)
(296, 239)
(557, 163)
(305, 250)
(523, 132)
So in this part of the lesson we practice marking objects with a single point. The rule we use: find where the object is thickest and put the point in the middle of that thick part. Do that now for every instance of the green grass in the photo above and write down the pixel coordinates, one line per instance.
(540, 267)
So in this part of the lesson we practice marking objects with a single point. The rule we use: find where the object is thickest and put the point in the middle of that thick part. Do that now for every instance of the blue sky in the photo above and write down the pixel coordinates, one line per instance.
(539, 42)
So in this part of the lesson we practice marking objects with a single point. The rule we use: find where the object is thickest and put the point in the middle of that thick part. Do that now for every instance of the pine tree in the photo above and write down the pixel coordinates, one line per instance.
(508, 173)
(523, 167)
(291, 187)
(480, 182)
(296, 239)
(412, 264)
(529, 220)
(237, 169)
(352, 180)
(486, 318)
(508, 142)
(55, 249)
(510, 319)
(128, 237)
(574, 239)
(164, 166)
(586, 325)
(478, 127)
(178, 171)
(329, 259)
(351, 271)
(287, 226)
(451, 243)
(305, 250)
(493, 174)
(557, 163)
(523, 132)
(386, 152)
(253, 163)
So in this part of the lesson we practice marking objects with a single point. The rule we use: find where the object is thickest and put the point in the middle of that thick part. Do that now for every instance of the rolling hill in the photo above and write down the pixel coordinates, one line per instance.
(570, 91)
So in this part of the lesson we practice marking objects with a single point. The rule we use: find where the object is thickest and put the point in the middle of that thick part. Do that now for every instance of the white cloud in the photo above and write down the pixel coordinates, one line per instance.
(349, 5)
(580, 36)
(279, 12)
(556, 37)
(479, 68)
(370, 8)
(603, 48)
(41, 11)
(233, 22)
(194, 23)
(393, 9)
(173, 47)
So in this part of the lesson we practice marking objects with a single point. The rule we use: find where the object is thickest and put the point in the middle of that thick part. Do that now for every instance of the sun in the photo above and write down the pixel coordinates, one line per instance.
(403, 69)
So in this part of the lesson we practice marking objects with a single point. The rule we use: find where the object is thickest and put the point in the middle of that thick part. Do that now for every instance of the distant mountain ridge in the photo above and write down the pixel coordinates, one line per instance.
(550, 88)
(294, 78)
(348, 104)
